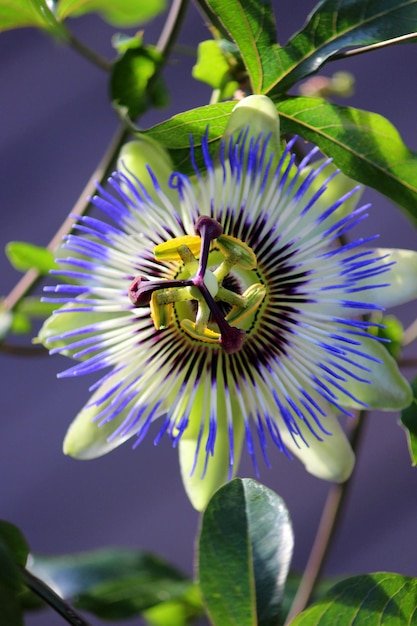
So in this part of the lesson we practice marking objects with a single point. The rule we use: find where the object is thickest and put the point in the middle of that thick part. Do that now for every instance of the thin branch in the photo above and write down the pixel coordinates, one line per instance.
(49, 596)
(407, 362)
(374, 46)
(15, 350)
(328, 524)
(165, 43)
(410, 334)
(88, 53)
(172, 26)
(29, 279)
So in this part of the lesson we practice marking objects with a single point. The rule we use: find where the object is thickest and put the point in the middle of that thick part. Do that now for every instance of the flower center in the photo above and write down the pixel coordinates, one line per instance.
(202, 285)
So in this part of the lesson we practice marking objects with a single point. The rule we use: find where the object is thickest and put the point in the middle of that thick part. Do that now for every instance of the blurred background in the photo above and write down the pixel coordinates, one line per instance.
(55, 123)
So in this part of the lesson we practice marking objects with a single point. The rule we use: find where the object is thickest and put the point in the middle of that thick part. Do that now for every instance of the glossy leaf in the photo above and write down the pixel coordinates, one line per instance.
(335, 25)
(25, 256)
(119, 13)
(382, 598)
(112, 583)
(133, 85)
(365, 145)
(245, 547)
(20, 13)
(409, 421)
(174, 133)
(251, 25)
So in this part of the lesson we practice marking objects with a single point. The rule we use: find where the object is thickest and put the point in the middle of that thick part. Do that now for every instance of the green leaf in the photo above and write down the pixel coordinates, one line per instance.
(13, 552)
(245, 547)
(112, 583)
(133, 86)
(122, 13)
(10, 588)
(21, 324)
(174, 133)
(13, 538)
(393, 330)
(25, 256)
(409, 421)
(383, 598)
(365, 146)
(212, 66)
(34, 307)
(20, 13)
(251, 25)
(179, 612)
(335, 25)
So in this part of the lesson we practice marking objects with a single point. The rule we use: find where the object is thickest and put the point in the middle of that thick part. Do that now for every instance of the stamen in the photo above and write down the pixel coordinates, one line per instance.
(140, 291)
(204, 286)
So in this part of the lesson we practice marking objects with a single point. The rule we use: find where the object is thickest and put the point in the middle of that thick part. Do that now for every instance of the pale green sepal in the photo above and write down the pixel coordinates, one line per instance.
(401, 278)
(199, 487)
(387, 390)
(87, 439)
(330, 458)
(136, 156)
(258, 114)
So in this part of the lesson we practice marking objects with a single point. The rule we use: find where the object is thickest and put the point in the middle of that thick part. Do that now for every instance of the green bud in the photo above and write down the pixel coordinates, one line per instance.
(258, 113)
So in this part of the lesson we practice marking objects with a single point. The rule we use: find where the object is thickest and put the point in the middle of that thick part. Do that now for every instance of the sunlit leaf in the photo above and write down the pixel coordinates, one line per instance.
(20, 13)
(119, 13)
(409, 421)
(134, 83)
(251, 25)
(382, 598)
(245, 548)
(211, 66)
(174, 133)
(25, 256)
(365, 145)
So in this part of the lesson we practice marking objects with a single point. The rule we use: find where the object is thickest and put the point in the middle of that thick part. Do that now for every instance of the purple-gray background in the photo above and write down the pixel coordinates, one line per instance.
(55, 122)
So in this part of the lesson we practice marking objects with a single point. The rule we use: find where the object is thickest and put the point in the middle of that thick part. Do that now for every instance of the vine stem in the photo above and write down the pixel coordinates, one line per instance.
(87, 52)
(165, 43)
(51, 598)
(29, 279)
(326, 531)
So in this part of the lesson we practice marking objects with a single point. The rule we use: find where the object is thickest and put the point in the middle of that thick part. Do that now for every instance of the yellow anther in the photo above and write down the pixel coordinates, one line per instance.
(207, 335)
(231, 245)
(161, 314)
(168, 251)
(254, 296)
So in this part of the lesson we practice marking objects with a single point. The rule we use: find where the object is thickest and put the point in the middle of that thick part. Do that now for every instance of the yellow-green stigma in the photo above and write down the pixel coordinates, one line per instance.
(203, 286)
